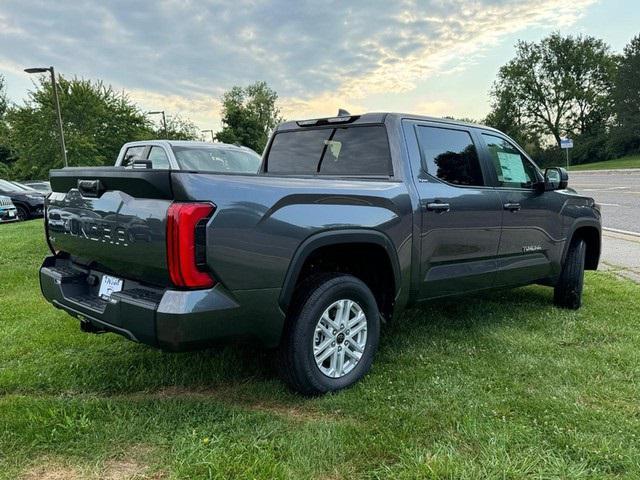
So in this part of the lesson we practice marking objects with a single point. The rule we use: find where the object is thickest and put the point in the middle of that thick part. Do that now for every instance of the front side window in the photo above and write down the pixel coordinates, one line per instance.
(354, 151)
(158, 158)
(512, 168)
(450, 155)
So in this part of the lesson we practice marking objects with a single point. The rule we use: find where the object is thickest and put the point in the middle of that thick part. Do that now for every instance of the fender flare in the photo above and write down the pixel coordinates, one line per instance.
(335, 237)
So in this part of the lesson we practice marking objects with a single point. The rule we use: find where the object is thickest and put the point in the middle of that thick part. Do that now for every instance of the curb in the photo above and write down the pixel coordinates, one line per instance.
(610, 170)
(623, 232)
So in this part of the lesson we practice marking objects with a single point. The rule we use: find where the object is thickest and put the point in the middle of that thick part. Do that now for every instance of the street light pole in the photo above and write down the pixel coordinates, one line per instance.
(51, 70)
(211, 132)
(164, 121)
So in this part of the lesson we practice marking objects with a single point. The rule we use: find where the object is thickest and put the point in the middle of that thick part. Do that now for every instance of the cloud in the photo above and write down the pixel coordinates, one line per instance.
(183, 54)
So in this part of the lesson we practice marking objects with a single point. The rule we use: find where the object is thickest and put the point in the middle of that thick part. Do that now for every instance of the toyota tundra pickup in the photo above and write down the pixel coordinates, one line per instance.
(348, 221)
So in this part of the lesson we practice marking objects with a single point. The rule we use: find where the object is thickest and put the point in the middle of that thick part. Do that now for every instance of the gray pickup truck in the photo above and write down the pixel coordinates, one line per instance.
(348, 220)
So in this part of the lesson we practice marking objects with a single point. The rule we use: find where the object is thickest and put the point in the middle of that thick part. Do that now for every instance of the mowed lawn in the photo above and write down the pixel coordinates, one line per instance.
(499, 385)
(632, 161)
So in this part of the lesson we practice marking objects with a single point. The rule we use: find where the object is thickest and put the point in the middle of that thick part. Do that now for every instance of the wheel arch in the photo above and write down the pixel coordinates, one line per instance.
(591, 233)
(336, 238)
(24, 206)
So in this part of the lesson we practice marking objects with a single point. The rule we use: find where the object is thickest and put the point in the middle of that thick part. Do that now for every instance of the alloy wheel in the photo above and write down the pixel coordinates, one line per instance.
(340, 338)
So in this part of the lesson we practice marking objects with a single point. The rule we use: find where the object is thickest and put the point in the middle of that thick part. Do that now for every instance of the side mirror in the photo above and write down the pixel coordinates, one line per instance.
(555, 178)
(141, 163)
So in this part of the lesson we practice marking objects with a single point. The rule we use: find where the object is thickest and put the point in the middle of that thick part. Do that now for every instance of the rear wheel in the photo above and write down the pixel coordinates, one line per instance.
(22, 213)
(568, 291)
(331, 338)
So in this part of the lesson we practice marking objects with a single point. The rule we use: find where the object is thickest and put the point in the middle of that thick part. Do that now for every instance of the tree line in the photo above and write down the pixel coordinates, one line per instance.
(570, 86)
(98, 120)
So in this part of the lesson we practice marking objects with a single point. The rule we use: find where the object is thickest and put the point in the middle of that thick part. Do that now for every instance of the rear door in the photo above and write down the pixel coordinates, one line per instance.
(461, 215)
(532, 225)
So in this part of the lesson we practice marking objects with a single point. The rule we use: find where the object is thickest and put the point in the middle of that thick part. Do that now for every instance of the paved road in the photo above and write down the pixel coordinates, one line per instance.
(617, 191)
(619, 194)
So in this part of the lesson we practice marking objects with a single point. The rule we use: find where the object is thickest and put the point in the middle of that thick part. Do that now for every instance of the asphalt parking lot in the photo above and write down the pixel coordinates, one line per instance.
(618, 192)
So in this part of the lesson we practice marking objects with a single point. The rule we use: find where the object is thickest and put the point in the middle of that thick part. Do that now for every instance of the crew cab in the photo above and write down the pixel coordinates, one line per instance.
(347, 221)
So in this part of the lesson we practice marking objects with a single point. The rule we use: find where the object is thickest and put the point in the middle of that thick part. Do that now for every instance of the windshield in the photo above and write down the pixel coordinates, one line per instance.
(215, 159)
(23, 188)
(41, 187)
(8, 186)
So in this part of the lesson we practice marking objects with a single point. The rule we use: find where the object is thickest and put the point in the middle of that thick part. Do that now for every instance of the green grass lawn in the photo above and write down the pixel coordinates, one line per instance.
(500, 385)
(632, 161)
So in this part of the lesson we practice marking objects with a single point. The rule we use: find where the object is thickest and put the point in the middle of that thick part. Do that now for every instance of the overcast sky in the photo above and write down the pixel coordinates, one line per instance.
(434, 57)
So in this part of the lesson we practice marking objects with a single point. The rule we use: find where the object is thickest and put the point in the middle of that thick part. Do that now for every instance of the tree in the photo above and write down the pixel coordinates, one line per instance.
(505, 116)
(558, 86)
(5, 151)
(178, 128)
(627, 100)
(249, 115)
(97, 121)
(4, 102)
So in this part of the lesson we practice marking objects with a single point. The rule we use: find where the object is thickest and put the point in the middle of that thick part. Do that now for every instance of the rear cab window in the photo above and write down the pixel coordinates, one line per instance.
(341, 151)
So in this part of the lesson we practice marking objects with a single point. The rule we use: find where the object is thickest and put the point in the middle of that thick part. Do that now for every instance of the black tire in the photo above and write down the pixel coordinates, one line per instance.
(568, 291)
(22, 213)
(297, 363)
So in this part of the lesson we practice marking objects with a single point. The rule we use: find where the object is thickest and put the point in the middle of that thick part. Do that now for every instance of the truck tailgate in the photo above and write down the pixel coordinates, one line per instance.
(112, 219)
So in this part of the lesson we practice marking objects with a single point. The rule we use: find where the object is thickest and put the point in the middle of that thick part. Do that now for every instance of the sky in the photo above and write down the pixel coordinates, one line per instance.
(431, 57)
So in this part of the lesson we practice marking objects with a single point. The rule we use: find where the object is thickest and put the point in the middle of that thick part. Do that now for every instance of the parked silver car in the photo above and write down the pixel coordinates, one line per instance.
(8, 211)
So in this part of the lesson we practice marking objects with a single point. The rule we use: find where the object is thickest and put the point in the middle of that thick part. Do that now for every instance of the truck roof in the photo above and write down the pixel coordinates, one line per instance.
(373, 117)
(187, 143)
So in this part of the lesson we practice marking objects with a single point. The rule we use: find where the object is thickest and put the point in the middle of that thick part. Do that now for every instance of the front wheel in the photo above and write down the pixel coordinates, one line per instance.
(22, 213)
(332, 335)
(568, 291)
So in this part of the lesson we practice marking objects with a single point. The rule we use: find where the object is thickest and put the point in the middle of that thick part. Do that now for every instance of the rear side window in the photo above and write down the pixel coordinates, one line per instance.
(357, 151)
(133, 153)
(450, 155)
(158, 158)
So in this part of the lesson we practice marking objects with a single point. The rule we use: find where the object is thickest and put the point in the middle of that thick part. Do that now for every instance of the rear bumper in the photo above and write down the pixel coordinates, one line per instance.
(169, 319)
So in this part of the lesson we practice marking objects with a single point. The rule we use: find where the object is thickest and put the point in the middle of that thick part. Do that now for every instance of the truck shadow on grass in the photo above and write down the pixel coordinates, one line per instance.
(108, 365)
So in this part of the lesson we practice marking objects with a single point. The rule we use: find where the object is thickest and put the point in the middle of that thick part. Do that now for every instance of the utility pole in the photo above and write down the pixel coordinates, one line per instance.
(54, 86)
(164, 121)
(211, 132)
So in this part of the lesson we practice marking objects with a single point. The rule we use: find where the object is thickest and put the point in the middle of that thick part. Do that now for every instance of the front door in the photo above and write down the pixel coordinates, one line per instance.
(532, 225)
(461, 215)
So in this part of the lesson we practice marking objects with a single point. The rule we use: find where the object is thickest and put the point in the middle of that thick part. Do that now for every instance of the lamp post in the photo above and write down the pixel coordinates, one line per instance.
(55, 96)
(164, 121)
(211, 132)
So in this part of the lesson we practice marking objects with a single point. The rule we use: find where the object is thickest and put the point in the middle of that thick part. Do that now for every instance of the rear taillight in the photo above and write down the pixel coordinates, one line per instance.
(185, 244)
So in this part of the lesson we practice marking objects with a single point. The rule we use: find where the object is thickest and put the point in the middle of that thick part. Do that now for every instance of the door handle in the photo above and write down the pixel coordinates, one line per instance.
(437, 206)
(90, 188)
(513, 207)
